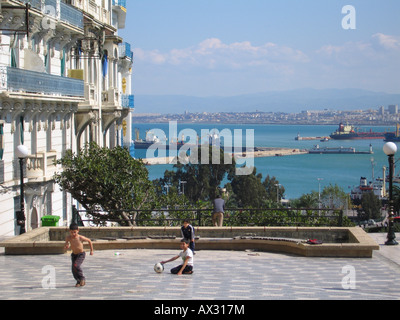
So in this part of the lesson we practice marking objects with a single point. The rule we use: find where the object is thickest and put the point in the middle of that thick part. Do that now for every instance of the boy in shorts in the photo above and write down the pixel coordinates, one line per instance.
(75, 242)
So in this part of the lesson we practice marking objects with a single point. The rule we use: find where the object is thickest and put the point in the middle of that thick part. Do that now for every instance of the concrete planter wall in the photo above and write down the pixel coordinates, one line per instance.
(336, 242)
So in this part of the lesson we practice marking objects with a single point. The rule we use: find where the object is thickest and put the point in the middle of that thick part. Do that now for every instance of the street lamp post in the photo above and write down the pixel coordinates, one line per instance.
(390, 149)
(278, 185)
(319, 192)
(21, 152)
(183, 186)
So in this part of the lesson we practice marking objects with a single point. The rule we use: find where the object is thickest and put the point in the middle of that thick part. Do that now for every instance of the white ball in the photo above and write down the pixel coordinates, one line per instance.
(159, 267)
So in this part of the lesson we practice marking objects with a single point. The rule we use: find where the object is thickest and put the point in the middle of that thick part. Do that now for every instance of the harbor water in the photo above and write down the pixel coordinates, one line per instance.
(298, 174)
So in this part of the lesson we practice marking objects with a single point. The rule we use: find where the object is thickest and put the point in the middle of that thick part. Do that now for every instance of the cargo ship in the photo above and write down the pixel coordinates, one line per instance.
(349, 132)
(393, 136)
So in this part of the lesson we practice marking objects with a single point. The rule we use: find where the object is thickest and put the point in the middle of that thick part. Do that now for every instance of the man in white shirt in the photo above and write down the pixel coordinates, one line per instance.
(187, 260)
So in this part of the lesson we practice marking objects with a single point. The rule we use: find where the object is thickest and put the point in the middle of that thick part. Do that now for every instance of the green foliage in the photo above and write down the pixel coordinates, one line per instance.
(332, 197)
(106, 179)
(202, 180)
(251, 191)
(113, 186)
(396, 199)
(288, 217)
(308, 200)
(371, 207)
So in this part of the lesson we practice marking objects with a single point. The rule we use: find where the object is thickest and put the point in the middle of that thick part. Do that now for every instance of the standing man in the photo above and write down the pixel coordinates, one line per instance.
(218, 212)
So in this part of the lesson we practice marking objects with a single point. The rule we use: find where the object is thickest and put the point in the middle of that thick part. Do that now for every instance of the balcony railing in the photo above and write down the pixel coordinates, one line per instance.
(37, 4)
(62, 11)
(14, 79)
(41, 165)
(119, 3)
(71, 15)
(128, 101)
(125, 50)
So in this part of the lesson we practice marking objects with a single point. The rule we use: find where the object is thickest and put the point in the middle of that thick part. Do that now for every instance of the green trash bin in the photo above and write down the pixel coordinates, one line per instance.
(50, 221)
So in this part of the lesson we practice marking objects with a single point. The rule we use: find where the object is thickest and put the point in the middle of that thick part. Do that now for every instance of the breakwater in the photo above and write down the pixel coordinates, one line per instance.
(257, 152)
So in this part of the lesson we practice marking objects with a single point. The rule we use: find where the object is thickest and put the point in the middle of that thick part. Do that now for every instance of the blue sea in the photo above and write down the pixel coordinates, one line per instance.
(298, 174)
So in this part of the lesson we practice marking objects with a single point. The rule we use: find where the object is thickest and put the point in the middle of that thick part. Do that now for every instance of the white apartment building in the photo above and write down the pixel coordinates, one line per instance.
(65, 80)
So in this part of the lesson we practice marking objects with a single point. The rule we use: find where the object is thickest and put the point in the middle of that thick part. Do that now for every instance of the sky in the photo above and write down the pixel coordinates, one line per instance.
(209, 48)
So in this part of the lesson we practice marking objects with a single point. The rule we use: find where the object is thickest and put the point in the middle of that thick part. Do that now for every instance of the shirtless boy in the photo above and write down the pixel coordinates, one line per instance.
(75, 242)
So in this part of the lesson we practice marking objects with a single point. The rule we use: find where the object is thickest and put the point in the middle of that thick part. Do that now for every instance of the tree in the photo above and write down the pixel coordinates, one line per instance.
(396, 199)
(203, 180)
(333, 197)
(106, 179)
(251, 191)
(308, 200)
(371, 207)
(275, 191)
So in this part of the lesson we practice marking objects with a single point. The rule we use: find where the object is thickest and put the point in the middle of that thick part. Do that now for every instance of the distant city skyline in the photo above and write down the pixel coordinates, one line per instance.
(228, 48)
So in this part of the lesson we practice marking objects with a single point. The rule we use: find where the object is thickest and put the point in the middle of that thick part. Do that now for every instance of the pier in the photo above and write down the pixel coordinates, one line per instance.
(299, 138)
(257, 152)
(264, 152)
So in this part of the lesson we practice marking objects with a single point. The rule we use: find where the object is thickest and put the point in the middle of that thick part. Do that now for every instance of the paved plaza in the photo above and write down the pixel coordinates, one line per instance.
(218, 275)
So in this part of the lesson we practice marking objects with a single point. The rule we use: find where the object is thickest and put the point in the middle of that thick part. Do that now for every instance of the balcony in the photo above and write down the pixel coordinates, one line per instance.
(36, 4)
(119, 3)
(128, 101)
(119, 6)
(71, 15)
(41, 166)
(110, 98)
(125, 50)
(38, 167)
(62, 11)
(20, 80)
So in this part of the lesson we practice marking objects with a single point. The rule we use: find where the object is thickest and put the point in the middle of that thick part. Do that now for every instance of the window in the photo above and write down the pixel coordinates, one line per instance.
(47, 59)
(14, 51)
(63, 64)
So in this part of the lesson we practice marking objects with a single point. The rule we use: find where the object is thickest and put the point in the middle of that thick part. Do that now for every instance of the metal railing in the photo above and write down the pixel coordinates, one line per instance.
(62, 11)
(38, 82)
(128, 101)
(125, 50)
(120, 3)
(203, 217)
(71, 15)
(37, 4)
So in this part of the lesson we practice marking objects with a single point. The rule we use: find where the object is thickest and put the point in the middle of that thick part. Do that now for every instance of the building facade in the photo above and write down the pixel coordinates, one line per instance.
(65, 81)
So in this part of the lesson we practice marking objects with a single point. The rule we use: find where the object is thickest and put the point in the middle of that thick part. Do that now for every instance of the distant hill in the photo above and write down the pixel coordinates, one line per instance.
(285, 101)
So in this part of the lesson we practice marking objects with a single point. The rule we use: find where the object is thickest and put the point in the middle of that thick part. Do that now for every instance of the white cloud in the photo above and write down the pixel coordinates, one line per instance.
(372, 64)
(386, 41)
(213, 53)
(378, 47)
(213, 67)
(153, 56)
